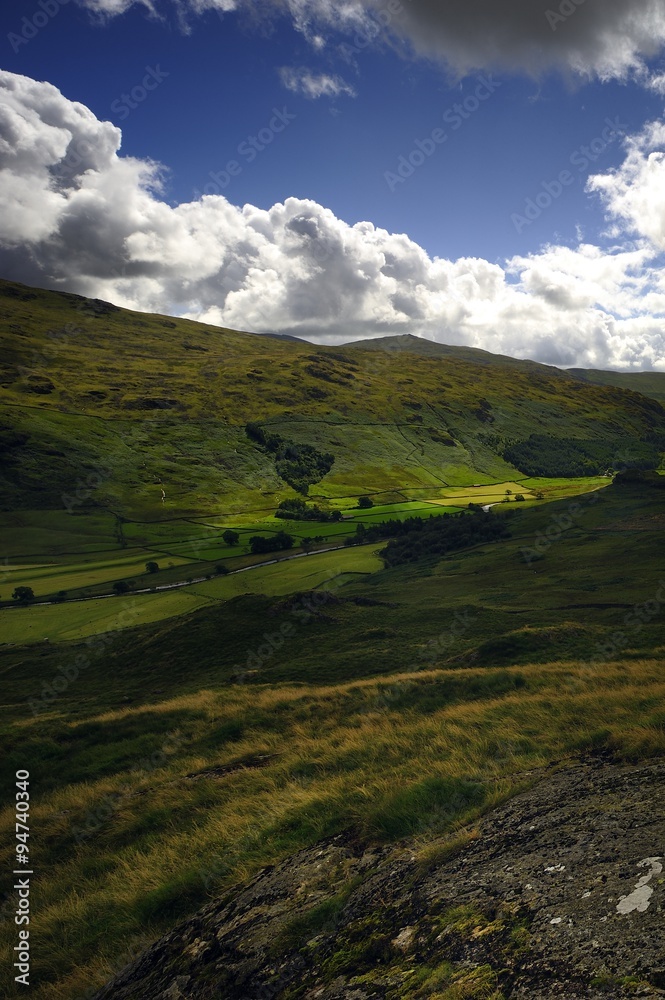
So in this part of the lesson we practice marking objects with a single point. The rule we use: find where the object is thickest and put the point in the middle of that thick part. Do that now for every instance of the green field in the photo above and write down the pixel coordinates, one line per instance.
(305, 573)
(51, 578)
(188, 549)
(78, 619)
(57, 533)
(27, 534)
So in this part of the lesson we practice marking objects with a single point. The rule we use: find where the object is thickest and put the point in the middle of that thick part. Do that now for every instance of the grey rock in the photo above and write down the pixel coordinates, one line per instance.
(562, 895)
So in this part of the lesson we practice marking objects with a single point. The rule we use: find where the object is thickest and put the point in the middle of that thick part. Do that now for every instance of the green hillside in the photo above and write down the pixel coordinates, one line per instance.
(230, 704)
(145, 415)
(176, 758)
(648, 383)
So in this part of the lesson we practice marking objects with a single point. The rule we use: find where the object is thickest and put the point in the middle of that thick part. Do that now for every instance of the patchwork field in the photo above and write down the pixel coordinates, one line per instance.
(51, 557)
(50, 578)
(81, 618)
(78, 619)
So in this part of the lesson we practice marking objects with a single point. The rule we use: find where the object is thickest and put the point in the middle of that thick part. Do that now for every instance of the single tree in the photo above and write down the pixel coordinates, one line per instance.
(231, 537)
(23, 595)
(152, 566)
(365, 502)
(221, 569)
(121, 587)
(519, 496)
(306, 544)
(283, 540)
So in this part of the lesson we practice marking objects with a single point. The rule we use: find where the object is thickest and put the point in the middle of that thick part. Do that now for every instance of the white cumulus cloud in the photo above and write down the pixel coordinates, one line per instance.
(634, 193)
(78, 215)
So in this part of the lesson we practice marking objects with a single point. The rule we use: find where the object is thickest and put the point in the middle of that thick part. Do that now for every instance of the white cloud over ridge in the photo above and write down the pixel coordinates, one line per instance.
(604, 38)
(77, 215)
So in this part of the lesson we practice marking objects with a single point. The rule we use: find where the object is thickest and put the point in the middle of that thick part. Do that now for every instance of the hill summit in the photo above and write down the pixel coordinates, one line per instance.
(89, 389)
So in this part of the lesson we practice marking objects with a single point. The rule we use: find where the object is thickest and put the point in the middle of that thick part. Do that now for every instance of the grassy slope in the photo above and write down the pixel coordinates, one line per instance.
(479, 666)
(326, 706)
(122, 405)
(648, 383)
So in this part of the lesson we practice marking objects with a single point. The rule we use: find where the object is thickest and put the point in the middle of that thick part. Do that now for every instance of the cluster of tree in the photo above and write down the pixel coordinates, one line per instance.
(439, 535)
(365, 503)
(274, 543)
(297, 510)
(507, 496)
(638, 477)
(26, 595)
(417, 537)
(299, 465)
(542, 455)
(307, 544)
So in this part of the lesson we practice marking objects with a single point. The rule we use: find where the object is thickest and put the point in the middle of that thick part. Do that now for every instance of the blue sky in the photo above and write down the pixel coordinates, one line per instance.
(223, 83)
(364, 153)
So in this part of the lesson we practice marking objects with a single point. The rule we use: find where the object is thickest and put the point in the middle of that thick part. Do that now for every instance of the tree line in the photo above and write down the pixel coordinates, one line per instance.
(551, 457)
(298, 510)
(416, 537)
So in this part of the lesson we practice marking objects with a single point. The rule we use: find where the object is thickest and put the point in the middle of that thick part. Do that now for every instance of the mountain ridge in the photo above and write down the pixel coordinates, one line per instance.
(149, 399)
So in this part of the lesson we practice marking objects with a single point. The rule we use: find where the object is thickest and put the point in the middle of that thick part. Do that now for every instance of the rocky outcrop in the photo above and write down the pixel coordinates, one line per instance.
(562, 894)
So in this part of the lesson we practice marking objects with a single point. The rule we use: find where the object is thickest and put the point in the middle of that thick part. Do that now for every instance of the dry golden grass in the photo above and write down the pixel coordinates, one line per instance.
(343, 755)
